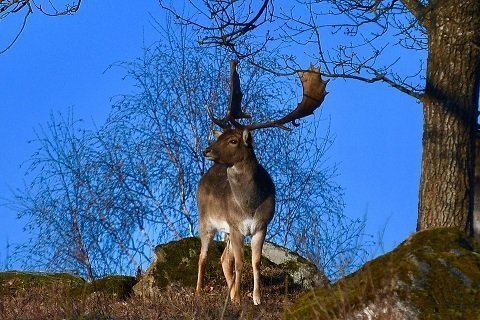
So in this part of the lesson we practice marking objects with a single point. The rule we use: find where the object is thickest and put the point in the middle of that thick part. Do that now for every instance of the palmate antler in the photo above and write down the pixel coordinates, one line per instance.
(314, 92)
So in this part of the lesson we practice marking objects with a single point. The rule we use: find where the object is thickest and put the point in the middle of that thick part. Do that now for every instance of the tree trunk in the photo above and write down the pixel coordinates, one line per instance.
(450, 115)
(476, 211)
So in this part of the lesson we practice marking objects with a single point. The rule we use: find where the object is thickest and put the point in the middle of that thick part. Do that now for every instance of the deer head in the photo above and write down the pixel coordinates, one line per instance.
(232, 146)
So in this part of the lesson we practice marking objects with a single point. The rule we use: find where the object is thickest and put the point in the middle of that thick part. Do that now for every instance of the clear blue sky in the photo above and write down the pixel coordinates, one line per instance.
(59, 62)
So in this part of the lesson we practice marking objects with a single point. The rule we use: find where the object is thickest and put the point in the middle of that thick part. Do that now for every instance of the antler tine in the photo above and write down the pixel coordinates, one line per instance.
(221, 123)
(236, 95)
(314, 92)
(234, 104)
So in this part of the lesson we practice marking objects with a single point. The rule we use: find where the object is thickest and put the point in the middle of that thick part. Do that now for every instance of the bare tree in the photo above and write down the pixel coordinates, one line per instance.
(138, 173)
(27, 7)
(55, 200)
(69, 203)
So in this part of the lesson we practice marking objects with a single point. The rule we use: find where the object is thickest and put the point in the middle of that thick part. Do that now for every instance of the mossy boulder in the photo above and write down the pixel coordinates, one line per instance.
(435, 274)
(18, 282)
(175, 263)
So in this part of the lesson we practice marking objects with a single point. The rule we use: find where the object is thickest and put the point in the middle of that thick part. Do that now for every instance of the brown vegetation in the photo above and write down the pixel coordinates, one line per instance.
(58, 301)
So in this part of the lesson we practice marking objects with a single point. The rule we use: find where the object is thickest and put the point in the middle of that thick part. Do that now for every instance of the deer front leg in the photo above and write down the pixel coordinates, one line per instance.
(257, 244)
(236, 239)
(202, 260)
(228, 260)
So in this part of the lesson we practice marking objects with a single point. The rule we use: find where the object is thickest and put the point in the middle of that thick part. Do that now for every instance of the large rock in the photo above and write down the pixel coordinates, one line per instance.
(303, 272)
(20, 282)
(17, 282)
(435, 274)
(175, 263)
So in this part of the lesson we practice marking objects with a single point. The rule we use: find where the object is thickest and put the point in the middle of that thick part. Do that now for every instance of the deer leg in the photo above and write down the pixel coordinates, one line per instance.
(227, 260)
(236, 239)
(205, 239)
(257, 244)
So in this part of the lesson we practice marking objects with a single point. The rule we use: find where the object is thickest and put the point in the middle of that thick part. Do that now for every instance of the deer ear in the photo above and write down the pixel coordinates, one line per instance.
(247, 137)
(217, 133)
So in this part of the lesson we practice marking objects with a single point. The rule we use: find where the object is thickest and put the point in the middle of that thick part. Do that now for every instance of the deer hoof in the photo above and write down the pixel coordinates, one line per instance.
(235, 298)
(236, 301)
(256, 300)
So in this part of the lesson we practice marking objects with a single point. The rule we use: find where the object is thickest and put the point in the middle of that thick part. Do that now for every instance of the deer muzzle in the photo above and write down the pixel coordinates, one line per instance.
(207, 153)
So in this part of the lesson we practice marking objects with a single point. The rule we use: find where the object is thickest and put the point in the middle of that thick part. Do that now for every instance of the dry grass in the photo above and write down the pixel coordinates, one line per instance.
(56, 302)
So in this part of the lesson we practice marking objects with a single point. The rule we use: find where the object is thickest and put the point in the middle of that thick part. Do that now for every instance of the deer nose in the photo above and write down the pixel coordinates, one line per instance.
(206, 152)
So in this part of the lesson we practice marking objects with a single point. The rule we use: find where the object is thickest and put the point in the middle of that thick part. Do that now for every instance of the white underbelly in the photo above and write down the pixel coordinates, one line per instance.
(220, 225)
(247, 227)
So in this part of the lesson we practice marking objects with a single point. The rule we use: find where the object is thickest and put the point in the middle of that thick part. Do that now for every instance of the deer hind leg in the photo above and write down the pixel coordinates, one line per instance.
(236, 239)
(228, 261)
(257, 244)
(205, 239)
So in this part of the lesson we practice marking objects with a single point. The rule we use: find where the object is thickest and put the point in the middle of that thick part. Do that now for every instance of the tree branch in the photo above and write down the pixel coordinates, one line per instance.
(24, 23)
(411, 91)
(16, 6)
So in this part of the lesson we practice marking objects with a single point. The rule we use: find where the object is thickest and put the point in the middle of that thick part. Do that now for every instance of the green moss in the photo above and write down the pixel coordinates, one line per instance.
(13, 282)
(16, 282)
(115, 285)
(177, 262)
(436, 271)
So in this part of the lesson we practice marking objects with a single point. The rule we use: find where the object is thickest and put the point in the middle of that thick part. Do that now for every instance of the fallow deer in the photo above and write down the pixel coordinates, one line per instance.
(237, 195)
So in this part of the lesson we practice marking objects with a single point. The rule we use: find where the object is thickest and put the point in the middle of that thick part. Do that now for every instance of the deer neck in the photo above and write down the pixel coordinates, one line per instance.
(245, 188)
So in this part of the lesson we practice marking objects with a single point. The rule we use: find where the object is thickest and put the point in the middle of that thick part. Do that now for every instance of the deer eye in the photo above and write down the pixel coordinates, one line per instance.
(233, 141)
